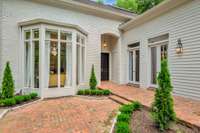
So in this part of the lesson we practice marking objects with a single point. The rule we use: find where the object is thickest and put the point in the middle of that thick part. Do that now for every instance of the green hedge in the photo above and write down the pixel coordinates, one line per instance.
(17, 99)
(123, 119)
(96, 92)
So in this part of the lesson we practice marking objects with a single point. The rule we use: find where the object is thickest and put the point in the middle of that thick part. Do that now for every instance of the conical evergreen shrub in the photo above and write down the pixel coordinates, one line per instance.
(93, 80)
(7, 83)
(163, 107)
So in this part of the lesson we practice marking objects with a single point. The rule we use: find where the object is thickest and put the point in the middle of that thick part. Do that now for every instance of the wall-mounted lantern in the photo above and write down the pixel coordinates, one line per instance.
(105, 44)
(179, 47)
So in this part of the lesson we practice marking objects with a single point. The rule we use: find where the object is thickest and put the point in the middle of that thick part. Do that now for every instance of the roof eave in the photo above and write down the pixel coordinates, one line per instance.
(92, 9)
(158, 10)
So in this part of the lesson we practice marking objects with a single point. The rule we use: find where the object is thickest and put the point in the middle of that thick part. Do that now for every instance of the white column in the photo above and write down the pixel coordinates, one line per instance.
(74, 65)
(42, 61)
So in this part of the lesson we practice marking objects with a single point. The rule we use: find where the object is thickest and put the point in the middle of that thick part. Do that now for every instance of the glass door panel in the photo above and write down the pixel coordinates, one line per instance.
(153, 65)
(27, 74)
(137, 65)
(36, 63)
(131, 66)
(63, 60)
(53, 73)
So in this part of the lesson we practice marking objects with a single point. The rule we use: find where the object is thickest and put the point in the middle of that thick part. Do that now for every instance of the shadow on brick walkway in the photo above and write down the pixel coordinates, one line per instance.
(63, 115)
(186, 109)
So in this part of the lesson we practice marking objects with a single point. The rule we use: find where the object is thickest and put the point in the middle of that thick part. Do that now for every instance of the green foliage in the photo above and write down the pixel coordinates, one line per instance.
(137, 105)
(33, 95)
(144, 5)
(81, 92)
(8, 102)
(123, 118)
(130, 5)
(137, 6)
(162, 107)
(122, 127)
(19, 99)
(27, 97)
(94, 92)
(93, 80)
(126, 109)
(106, 92)
(8, 83)
(100, 1)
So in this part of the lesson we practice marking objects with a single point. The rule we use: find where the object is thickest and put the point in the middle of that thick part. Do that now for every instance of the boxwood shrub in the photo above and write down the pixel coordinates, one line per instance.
(123, 119)
(9, 101)
(17, 99)
(96, 92)
(122, 127)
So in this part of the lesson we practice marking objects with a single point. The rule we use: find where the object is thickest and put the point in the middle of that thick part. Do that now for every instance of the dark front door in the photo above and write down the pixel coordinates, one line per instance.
(104, 66)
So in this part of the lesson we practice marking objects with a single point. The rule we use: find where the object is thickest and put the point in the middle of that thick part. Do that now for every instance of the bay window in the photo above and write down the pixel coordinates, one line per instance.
(57, 58)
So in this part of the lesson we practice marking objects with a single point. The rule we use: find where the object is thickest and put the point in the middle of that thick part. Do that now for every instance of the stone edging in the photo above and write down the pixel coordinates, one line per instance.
(114, 122)
(17, 107)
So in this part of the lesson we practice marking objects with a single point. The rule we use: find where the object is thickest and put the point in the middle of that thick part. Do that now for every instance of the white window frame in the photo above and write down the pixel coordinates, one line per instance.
(158, 45)
(81, 63)
(31, 29)
(133, 60)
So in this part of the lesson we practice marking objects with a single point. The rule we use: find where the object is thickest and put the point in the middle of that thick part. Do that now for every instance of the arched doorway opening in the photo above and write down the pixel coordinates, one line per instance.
(109, 57)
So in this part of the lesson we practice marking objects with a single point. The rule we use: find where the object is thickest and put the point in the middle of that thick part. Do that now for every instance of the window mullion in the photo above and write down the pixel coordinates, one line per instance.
(81, 63)
(31, 59)
(59, 60)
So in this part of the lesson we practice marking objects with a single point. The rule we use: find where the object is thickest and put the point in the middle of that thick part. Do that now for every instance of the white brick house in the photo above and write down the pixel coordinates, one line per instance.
(52, 44)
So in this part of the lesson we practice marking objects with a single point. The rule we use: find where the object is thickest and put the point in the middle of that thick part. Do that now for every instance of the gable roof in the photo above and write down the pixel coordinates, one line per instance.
(156, 11)
(91, 7)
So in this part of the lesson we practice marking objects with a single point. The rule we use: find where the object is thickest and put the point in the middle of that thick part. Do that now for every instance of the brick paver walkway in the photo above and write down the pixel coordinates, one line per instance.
(63, 115)
(186, 109)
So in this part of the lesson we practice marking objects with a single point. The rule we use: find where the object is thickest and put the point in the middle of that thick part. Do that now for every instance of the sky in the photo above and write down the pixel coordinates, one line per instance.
(109, 1)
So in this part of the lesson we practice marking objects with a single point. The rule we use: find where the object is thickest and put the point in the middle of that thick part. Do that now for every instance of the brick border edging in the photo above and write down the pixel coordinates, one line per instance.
(179, 120)
(17, 107)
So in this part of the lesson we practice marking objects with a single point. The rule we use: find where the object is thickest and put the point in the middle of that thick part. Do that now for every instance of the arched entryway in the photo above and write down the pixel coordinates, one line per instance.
(109, 57)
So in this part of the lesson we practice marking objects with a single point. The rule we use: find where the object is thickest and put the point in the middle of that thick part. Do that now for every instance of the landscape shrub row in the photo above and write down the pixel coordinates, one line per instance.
(96, 92)
(124, 118)
(17, 99)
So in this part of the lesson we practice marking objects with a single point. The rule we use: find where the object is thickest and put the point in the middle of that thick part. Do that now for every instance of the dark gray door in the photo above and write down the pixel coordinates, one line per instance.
(104, 66)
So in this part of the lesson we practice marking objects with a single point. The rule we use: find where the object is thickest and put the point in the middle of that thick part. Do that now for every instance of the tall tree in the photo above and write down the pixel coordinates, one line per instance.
(144, 5)
(8, 83)
(163, 107)
(93, 79)
(130, 5)
(138, 6)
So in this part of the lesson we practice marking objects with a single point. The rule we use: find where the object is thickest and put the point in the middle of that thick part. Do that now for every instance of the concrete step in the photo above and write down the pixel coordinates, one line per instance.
(119, 99)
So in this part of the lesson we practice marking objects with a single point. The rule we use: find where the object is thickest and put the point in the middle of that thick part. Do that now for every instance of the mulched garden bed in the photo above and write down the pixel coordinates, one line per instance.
(141, 122)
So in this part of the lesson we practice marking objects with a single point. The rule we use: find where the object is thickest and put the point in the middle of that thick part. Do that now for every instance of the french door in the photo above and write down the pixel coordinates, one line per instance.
(134, 66)
(158, 53)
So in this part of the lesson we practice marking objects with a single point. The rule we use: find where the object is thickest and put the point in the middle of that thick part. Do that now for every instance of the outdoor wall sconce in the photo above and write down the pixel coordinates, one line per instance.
(105, 44)
(179, 47)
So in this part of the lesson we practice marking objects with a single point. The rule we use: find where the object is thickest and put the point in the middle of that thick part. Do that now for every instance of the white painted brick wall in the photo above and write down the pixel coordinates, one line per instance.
(22, 10)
